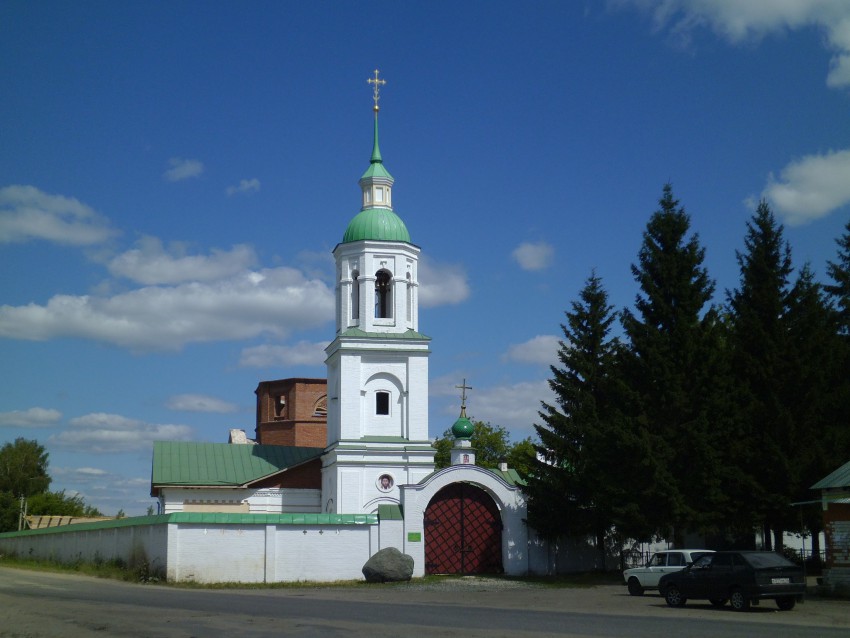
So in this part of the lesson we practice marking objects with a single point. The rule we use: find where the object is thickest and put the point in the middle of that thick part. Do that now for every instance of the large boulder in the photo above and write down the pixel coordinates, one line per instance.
(388, 566)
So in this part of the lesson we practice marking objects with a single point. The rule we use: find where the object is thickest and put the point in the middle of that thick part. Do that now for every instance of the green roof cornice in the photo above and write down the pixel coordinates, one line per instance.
(207, 518)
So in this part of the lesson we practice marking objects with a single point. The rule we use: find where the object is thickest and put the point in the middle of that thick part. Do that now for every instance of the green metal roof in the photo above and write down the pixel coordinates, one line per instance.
(376, 169)
(390, 512)
(380, 224)
(222, 464)
(376, 162)
(839, 478)
(376, 222)
(510, 476)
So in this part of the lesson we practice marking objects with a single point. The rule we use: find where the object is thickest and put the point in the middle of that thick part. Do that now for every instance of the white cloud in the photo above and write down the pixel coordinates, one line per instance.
(245, 186)
(199, 403)
(101, 433)
(542, 350)
(32, 418)
(533, 256)
(742, 20)
(79, 474)
(183, 169)
(267, 302)
(810, 188)
(267, 356)
(26, 213)
(107, 491)
(150, 263)
(441, 284)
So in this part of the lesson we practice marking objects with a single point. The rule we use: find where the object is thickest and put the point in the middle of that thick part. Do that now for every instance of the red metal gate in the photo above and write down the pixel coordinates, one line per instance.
(463, 532)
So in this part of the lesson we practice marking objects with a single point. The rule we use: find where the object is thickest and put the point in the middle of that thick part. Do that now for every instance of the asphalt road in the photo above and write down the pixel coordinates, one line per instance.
(37, 604)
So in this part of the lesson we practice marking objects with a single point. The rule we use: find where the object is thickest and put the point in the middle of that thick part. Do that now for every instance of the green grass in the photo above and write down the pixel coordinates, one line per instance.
(117, 570)
(112, 569)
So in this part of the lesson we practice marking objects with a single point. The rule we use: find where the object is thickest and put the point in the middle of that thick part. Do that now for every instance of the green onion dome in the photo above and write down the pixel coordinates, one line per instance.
(376, 223)
(463, 428)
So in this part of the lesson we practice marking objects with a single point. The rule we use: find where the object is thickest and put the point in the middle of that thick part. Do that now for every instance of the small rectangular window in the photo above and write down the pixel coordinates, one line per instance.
(382, 403)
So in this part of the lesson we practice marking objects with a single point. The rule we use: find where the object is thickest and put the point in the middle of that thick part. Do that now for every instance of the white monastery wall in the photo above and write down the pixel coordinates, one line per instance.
(92, 543)
(209, 551)
(259, 552)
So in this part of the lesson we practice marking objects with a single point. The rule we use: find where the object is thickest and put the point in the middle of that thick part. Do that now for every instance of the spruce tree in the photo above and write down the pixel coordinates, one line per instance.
(759, 350)
(672, 366)
(815, 394)
(578, 484)
(839, 271)
(839, 294)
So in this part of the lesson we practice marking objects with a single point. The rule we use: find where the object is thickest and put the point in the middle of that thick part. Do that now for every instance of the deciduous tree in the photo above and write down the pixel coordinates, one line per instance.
(23, 468)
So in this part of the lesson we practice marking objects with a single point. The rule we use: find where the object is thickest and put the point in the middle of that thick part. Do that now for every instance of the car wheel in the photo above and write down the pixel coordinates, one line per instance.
(635, 588)
(738, 601)
(786, 603)
(717, 602)
(674, 597)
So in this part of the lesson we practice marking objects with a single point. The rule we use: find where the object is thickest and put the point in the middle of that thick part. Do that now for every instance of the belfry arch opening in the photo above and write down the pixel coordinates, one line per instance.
(383, 295)
(355, 295)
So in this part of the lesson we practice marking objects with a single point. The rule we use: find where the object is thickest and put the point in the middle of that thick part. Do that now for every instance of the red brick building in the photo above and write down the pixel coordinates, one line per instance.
(292, 412)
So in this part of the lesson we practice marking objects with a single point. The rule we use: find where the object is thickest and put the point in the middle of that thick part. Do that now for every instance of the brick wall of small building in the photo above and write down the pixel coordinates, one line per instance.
(836, 521)
(298, 424)
(293, 434)
(836, 518)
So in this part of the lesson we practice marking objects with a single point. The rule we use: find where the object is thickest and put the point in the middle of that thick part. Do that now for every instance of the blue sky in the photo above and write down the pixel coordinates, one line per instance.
(174, 177)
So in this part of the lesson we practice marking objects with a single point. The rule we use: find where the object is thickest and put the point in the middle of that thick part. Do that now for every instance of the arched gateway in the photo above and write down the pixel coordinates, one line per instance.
(463, 532)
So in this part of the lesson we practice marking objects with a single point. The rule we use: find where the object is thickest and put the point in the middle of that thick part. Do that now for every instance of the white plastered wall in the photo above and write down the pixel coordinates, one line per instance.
(248, 500)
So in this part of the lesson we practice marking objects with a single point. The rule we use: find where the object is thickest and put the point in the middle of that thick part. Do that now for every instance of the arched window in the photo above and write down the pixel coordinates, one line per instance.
(382, 403)
(409, 301)
(355, 295)
(383, 295)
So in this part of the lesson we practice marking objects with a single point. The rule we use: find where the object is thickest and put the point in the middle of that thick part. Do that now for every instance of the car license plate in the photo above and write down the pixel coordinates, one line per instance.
(780, 581)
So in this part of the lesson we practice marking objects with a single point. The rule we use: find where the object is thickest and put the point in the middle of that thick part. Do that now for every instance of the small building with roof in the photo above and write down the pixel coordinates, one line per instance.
(835, 501)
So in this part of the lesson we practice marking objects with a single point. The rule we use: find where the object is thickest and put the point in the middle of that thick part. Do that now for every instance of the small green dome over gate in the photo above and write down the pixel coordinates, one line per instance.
(463, 428)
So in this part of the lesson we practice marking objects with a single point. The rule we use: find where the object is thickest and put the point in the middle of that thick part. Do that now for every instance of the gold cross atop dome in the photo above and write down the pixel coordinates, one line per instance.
(376, 89)
(463, 388)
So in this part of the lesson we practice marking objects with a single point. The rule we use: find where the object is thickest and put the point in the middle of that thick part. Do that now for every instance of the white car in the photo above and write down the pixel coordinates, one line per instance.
(639, 579)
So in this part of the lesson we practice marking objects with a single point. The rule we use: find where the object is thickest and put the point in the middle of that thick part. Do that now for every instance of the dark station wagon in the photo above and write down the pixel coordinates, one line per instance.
(741, 578)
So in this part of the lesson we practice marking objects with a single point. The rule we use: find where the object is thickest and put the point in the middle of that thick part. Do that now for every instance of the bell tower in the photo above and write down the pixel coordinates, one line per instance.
(378, 362)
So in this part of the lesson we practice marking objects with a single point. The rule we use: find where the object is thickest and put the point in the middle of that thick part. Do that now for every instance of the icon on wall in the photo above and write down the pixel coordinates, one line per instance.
(385, 482)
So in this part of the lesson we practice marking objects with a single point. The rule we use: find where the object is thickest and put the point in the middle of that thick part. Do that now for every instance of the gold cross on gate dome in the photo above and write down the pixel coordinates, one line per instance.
(463, 388)
(376, 89)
